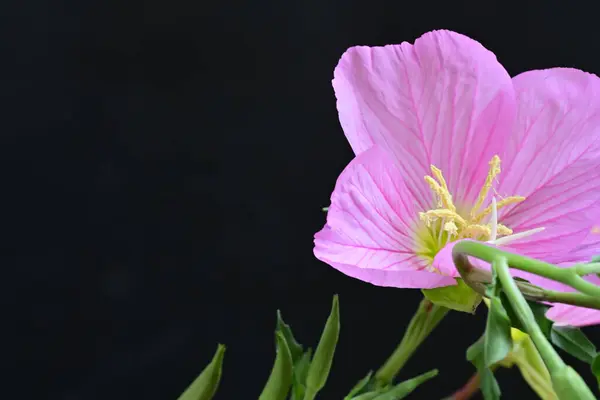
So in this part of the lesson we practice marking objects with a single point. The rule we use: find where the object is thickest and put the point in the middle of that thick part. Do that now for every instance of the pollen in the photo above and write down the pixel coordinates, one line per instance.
(446, 223)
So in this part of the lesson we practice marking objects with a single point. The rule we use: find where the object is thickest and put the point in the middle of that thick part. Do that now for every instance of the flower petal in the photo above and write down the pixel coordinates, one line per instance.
(553, 159)
(444, 101)
(564, 314)
(370, 226)
(443, 261)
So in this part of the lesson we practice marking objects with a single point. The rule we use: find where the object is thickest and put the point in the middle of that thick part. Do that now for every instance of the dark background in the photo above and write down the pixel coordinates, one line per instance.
(163, 169)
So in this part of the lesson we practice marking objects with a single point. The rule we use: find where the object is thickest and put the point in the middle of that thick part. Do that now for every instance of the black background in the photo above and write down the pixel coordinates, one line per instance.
(163, 169)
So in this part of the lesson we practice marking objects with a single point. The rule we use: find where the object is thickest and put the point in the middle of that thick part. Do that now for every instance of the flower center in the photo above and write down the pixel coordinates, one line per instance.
(445, 223)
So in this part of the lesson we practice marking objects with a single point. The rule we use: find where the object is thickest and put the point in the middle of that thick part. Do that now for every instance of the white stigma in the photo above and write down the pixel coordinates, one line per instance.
(511, 238)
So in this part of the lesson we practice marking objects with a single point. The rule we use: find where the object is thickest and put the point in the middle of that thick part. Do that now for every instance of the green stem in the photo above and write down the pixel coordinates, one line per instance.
(427, 317)
(568, 276)
(526, 317)
(566, 382)
(477, 279)
(586, 269)
(572, 298)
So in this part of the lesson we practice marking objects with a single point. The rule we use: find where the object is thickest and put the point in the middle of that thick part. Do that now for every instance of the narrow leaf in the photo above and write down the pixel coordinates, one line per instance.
(488, 384)
(299, 375)
(206, 384)
(321, 363)
(460, 297)
(367, 396)
(498, 340)
(296, 349)
(278, 384)
(596, 368)
(359, 387)
(405, 388)
(573, 341)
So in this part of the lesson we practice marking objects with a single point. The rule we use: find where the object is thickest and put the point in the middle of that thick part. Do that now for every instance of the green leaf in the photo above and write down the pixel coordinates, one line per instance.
(299, 375)
(359, 387)
(475, 351)
(278, 384)
(596, 368)
(296, 349)
(498, 340)
(405, 388)
(574, 342)
(321, 363)
(206, 384)
(488, 384)
(367, 396)
(460, 297)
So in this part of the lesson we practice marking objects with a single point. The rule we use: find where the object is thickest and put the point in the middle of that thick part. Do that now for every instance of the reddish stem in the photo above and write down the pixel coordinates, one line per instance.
(470, 388)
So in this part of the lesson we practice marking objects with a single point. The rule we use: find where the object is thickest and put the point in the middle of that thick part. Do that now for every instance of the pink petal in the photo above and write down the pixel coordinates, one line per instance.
(553, 159)
(583, 252)
(563, 314)
(370, 226)
(443, 261)
(444, 100)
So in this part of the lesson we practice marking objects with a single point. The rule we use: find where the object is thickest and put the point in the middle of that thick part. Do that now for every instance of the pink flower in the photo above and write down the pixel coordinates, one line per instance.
(439, 129)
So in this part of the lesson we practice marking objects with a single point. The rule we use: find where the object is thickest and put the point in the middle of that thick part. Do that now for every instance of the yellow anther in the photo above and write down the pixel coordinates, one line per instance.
(451, 228)
(439, 176)
(425, 218)
(436, 189)
(475, 231)
(502, 203)
(451, 216)
(493, 172)
(596, 229)
(444, 197)
(504, 231)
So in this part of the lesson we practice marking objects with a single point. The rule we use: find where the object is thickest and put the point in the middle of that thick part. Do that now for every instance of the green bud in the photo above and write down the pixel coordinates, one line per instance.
(278, 384)
(321, 362)
(206, 384)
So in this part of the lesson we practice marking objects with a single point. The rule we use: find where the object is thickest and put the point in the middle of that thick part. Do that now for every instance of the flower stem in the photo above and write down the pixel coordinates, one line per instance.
(427, 317)
(568, 276)
(566, 382)
(586, 269)
(468, 390)
(478, 278)
(526, 317)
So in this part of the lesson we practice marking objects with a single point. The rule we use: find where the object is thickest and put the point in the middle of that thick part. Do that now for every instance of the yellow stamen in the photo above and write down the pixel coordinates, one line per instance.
(432, 215)
(451, 228)
(493, 172)
(504, 231)
(447, 197)
(504, 202)
(446, 218)
(444, 197)
(596, 229)
(474, 230)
